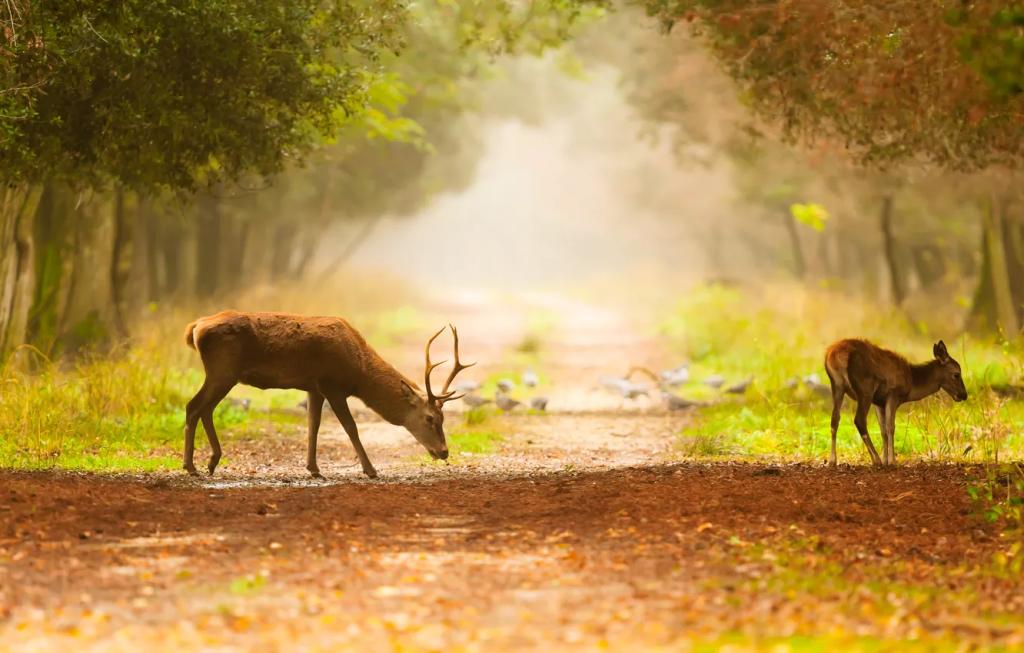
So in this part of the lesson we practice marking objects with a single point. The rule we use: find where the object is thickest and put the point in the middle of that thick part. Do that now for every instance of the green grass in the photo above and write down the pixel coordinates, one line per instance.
(778, 335)
(474, 441)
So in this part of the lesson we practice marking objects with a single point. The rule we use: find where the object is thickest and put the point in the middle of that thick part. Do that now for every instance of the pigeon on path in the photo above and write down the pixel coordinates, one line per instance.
(506, 403)
(475, 401)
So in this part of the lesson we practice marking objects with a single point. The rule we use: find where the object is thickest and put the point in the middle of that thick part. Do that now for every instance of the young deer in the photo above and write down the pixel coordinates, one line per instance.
(872, 375)
(326, 357)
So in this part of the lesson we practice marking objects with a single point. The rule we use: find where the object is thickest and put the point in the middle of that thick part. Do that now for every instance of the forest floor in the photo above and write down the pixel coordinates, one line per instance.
(578, 529)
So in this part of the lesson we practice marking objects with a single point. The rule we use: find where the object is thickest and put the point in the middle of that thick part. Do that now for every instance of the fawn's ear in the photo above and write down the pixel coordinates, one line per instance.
(940, 351)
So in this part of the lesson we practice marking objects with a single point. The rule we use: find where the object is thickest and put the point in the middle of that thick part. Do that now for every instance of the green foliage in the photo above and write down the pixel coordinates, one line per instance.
(181, 94)
(891, 81)
(812, 215)
(995, 48)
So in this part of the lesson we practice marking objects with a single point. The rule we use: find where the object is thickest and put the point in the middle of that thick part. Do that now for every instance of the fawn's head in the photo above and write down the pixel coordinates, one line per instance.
(426, 420)
(951, 379)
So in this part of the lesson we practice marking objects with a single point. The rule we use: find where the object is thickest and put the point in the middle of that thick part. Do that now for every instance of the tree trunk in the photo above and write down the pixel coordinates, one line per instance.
(18, 206)
(120, 261)
(930, 264)
(351, 247)
(1002, 291)
(145, 262)
(889, 249)
(208, 245)
(799, 263)
(56, 236)
(283, 251)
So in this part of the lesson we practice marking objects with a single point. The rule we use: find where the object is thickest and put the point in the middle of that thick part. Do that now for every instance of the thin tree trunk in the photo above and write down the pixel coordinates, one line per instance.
(351, 247)
(208, 246)
(120, 261)
(929, 262)
(145, 262)
(799, 263)
(1002, 292)
(889, 249)
(18, 206)
(55, 232)
(283, 247)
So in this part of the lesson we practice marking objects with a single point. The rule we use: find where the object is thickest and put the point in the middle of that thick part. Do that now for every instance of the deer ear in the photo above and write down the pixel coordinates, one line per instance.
(940, 351)
(409, 393)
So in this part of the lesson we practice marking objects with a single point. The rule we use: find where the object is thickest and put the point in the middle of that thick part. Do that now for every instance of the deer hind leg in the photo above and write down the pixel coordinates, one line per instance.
(314, 409)
(838, 395)
(214, 397)
(861, 421)
(192, 414)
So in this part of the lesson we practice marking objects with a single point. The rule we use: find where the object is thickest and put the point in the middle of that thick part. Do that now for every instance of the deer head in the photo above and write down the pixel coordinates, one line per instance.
(426, 421)
(950, 379)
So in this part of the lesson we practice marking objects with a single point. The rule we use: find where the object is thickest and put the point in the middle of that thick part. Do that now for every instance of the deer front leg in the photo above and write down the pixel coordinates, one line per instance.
(314, 409)
(861, 422)
(883, 427)
(890, 422)
(340, 407)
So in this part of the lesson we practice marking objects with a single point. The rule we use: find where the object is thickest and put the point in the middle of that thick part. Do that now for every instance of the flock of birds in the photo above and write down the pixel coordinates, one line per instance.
(502, 399)
(665, 383)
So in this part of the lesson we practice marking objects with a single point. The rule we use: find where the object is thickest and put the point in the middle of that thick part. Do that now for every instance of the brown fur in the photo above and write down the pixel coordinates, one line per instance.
(875, 376)
(325, 356)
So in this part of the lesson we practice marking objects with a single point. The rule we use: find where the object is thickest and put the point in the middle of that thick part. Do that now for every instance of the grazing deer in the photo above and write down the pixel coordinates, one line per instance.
(326, 357)
(872, 375)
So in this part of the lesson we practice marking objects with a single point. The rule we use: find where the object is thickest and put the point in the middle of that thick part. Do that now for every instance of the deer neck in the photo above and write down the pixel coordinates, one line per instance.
(384, 391)
(925, 380)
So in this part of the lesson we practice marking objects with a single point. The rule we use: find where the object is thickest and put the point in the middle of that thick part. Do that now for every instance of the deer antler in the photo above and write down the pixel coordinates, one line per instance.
(445, 395)
(430, 368)
(458, 367)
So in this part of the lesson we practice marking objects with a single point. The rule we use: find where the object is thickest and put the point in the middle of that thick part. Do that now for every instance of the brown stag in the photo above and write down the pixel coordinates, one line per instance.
(326, 357)
(872, 375)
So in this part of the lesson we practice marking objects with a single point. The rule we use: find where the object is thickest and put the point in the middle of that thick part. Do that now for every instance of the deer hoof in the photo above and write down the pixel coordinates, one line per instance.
(191, 469)
(314, 472)
(371, 473)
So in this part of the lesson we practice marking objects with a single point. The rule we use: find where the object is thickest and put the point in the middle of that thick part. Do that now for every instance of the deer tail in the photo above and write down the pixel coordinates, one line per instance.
(189, 335)
(836, 361)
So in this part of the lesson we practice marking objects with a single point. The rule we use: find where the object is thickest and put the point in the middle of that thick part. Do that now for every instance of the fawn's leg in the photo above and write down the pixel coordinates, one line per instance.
(884, 429)
(890, 421)
(861, 422)
(314, 408)
(340, 407)
(838, 395)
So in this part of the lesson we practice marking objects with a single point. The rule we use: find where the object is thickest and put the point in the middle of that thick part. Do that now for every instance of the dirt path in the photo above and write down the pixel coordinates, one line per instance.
(580, 531)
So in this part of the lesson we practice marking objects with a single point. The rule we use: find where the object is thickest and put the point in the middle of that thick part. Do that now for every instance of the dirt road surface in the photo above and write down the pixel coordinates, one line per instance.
(582, 530)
